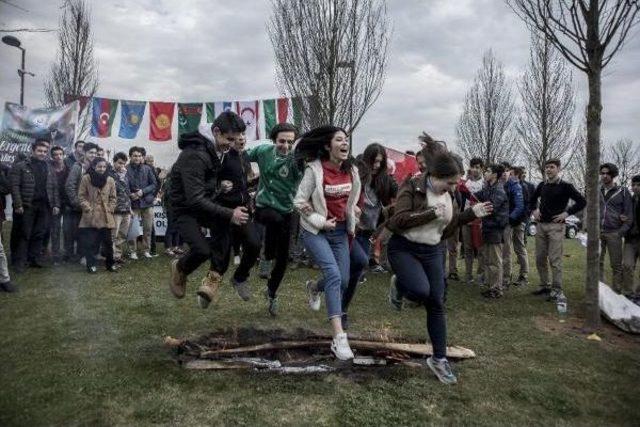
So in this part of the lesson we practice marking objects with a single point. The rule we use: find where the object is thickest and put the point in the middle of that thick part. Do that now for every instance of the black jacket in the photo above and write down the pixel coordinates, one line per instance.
(5, 188)
(493, 225)
(194, 180)
(235, 168)
(634, 229)
(23, 185)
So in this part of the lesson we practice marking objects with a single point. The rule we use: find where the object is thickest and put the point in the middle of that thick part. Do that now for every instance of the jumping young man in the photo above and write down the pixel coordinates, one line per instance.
(280, 175)
(195, 188)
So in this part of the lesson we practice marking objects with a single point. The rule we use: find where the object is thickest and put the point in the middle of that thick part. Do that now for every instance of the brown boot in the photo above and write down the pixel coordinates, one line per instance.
(209, 289)
(178, 282)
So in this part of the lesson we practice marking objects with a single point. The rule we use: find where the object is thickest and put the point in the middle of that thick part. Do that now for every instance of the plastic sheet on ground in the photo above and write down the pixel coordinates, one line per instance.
(618, 309)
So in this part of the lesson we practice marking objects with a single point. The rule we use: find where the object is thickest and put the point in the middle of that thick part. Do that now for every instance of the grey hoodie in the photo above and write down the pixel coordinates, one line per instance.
(613, 203)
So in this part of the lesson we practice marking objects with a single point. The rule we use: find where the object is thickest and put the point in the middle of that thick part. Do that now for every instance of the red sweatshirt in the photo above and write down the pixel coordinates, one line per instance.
(337, 187)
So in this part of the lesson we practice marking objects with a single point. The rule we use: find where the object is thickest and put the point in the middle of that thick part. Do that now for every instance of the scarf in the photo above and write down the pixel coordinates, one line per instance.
(97, 179)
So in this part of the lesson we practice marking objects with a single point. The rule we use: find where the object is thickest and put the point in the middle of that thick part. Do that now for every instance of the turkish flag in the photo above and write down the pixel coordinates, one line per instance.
(405, 164)
(160, 121)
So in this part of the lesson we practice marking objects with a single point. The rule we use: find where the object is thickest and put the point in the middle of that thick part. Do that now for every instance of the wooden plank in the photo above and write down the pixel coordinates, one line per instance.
(454, 352)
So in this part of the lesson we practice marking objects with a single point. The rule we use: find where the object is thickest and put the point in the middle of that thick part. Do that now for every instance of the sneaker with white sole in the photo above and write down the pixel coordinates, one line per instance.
(133, 256)
(315, 299)
(340, 347)
(147, 255)
(442, 369)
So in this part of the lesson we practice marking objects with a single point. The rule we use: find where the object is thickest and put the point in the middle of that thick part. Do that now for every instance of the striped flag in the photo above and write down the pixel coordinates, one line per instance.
(275, 111)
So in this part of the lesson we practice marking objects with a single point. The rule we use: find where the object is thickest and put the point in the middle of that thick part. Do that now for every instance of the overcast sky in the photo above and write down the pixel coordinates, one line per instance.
(206, 50)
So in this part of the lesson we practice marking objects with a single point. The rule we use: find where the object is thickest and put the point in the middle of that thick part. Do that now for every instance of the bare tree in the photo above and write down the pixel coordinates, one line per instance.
(588, 33)
(485, 126)
(626, 155)
(75, 72)
(544, 125)
(331, 57)
(575, 170)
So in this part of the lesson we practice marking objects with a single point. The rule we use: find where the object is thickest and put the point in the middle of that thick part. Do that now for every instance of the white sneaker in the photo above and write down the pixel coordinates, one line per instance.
(236, 260)
(133, 255)
(147, 255)
(83, 261)
(340, 347)
(314, 296)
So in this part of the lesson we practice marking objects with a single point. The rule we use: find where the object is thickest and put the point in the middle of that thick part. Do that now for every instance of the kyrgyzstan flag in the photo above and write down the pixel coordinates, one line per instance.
(104, 111)
(275, 111)
(249, 113)
(160, 121)
(405, 164)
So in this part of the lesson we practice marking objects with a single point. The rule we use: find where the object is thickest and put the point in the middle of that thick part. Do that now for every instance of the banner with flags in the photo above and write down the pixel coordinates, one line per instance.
(189, 117)
(248, 110)
(103, 113)
(260, 119)
(405, 165)
(131, 113)
(161, 117)
(21, 126)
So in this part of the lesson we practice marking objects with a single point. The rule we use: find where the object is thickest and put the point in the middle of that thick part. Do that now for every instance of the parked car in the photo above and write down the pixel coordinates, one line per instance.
(573, 225)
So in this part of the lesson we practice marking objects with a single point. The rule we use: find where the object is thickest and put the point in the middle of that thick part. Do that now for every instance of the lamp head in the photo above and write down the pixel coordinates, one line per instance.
(11, 41)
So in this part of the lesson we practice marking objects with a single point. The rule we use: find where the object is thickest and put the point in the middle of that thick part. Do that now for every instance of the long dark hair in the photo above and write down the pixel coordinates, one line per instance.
(313, 145)
(380, 180)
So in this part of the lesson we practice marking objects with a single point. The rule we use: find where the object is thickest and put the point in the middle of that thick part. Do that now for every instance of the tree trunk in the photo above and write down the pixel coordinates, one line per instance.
(594, 111)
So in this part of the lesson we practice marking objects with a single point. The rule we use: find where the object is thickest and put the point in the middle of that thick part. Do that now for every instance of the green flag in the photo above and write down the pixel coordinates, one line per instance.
(211, 111)
(189, 117)
(270, 117)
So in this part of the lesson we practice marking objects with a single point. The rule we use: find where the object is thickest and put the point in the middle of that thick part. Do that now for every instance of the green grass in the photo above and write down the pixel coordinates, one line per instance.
(87, 350)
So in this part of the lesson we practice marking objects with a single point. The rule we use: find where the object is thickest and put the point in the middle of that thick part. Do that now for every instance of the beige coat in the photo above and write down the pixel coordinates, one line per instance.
(98, 204)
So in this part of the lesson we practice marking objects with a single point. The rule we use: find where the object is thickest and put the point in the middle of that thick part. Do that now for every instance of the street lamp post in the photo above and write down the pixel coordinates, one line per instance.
(13, 41)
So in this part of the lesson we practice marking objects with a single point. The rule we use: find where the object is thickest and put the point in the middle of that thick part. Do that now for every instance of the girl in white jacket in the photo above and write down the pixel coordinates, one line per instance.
(327, 198)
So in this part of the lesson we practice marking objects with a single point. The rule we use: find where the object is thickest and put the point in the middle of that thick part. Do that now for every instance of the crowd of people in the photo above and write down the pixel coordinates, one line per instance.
(311, 198)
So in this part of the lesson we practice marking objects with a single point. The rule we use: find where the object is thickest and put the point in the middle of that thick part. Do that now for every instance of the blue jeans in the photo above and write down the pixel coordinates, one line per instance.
(330, 250)
(419, 270)
(358, 261)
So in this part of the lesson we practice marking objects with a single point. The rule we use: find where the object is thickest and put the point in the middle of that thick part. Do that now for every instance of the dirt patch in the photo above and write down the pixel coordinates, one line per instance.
(298, 352)
(610, 335)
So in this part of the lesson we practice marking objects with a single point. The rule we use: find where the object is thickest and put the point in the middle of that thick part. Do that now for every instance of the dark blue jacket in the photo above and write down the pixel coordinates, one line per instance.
(517, 212)
(141, 177)
(493, 225)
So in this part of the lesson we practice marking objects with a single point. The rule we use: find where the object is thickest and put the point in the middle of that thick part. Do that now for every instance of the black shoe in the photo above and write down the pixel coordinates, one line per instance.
(345, 322)
(454, 276)
(542, 292)
(35, 264)
(8, 287)
(92, 270)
